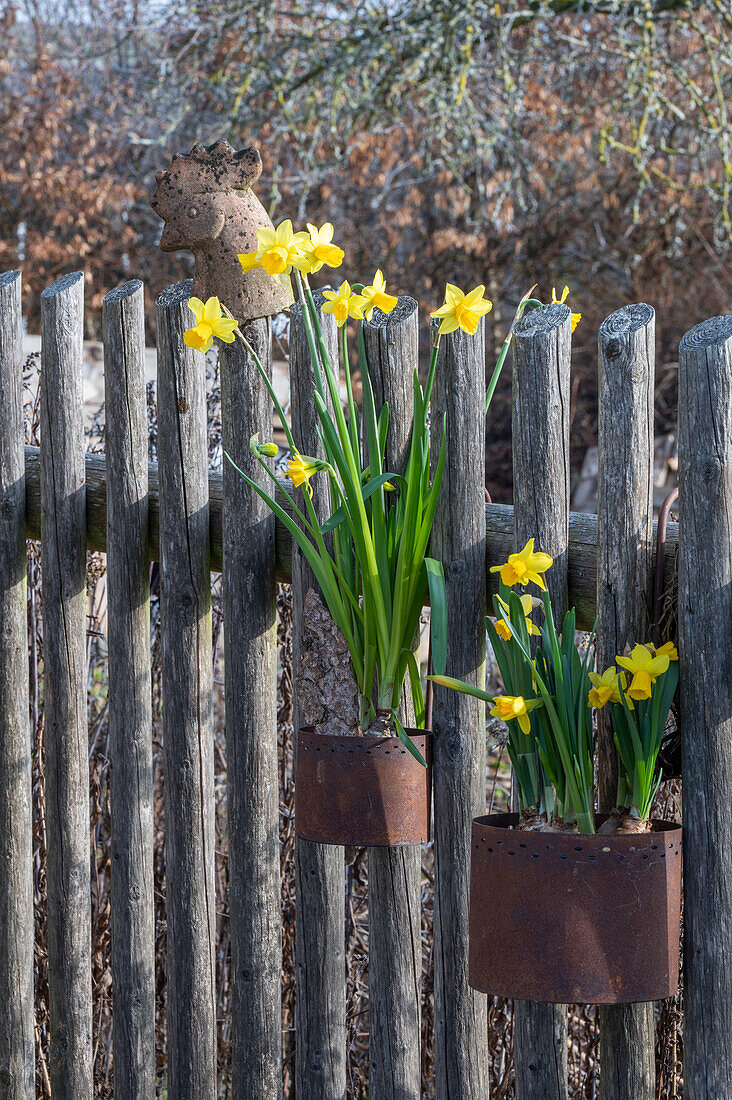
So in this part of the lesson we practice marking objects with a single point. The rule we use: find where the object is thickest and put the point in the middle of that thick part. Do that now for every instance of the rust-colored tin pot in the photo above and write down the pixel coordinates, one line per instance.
(365, 791)
(571, 918)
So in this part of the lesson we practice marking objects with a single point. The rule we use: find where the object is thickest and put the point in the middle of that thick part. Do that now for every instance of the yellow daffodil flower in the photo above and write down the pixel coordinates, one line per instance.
(507, 707)
(317, 249)
(645, 669)
(278, 249)
(527, 603)
(210, 322)
(343, 303)
(377, 298)
(300, 469)
(668, 649)
(462, 310)
(575, 317)
(607, 687)
(524, 567)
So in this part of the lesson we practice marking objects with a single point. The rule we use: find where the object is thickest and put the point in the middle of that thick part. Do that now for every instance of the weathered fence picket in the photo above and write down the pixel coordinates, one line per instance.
(250, 670)
(459, 541)
(196, 522)
(130, 694)
(187, 704)
(540, 432)
(17, 1055)
(63, 551)
(626, 357)
(705, 635)
(320, 954)
(395, 903)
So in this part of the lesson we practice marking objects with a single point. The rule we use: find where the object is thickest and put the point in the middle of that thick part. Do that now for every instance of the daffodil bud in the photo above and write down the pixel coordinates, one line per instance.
(266, 450)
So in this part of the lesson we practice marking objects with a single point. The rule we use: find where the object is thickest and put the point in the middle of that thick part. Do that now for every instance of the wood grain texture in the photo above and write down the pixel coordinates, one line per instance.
(540, 432)
(459, 541)
(499, 532)
(395, 941)
(63, 553)
(250, 630)
(17, 1058)
(319, 868)
(705, 637)
(130, 694)
(187, 703)
(626, 358)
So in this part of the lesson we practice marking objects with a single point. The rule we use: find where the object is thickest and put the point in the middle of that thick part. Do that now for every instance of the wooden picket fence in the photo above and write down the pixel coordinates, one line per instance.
(195, 522)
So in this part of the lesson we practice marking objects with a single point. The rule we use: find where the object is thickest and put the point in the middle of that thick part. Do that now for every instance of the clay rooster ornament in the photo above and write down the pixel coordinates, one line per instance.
(206, 200)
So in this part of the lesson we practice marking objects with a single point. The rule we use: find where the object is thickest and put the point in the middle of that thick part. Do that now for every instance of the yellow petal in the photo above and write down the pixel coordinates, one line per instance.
(658, 665)
(225, 324)
(284, 232)
(324, 235)
(212, 310)
(196, 307)
(453, 294)
(527, 551)
(474, 295)
(267, 237)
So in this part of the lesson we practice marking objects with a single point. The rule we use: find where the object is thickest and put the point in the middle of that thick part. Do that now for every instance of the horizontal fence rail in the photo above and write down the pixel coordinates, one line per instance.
(583, 546)
(197, 522)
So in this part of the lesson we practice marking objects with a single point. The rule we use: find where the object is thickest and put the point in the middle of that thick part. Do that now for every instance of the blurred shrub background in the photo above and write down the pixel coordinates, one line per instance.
(498, 142)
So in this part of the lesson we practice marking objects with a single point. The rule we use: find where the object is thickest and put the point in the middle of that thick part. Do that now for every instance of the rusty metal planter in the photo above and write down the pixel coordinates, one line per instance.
(572, 918)
(365, 791)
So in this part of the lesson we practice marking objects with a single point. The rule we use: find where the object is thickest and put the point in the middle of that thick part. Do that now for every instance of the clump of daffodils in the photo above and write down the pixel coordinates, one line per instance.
(548, 703)
(639, 695)
(374, 571)
(545, 707)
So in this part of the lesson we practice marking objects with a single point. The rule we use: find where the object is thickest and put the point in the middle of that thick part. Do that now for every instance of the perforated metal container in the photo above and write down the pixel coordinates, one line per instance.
(574, 919)
(364, 791)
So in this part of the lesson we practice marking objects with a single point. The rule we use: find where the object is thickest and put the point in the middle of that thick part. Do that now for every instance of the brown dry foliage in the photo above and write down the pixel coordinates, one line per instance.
(572, 194)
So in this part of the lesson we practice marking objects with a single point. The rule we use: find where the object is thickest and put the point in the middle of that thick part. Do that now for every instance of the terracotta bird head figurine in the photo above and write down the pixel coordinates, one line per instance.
(206, 200)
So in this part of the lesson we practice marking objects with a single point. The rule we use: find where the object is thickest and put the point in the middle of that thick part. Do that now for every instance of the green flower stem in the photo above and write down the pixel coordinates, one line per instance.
(352, 417)
(533, 302)
(308, 316)
(430, 378)
(270, 388)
